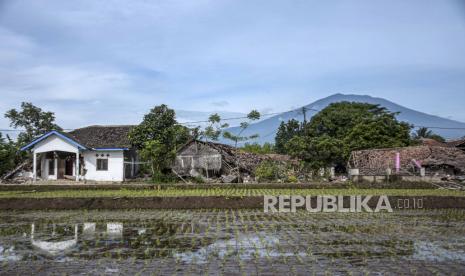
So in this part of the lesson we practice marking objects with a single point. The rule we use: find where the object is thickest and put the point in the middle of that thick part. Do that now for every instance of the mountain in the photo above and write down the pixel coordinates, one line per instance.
(267, 128)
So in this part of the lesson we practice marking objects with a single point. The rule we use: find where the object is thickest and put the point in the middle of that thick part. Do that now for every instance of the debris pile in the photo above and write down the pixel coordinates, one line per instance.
(219, 161)
(435, 159)
(20, 174)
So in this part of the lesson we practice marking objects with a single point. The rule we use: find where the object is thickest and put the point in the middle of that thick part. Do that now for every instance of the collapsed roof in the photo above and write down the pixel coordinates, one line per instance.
(377, 161)
(232, 157)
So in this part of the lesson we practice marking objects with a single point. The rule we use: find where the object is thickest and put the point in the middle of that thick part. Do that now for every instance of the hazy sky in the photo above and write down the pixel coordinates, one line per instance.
(108, 62)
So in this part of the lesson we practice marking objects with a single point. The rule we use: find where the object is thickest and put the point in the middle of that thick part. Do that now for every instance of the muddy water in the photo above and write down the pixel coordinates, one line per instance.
(231, 242)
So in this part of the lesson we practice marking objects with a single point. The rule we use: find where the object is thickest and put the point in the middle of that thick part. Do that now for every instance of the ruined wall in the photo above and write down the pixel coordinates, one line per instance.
(198, 157)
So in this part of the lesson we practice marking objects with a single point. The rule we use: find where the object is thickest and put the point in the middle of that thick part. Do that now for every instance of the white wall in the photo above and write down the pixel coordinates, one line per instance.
(44, 163)
(54, 143)
(115, 166)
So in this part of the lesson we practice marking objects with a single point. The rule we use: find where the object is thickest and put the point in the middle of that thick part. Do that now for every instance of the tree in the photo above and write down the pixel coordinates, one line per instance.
(336, 131)
(34, 121)
(266, 148)
(213, 130)
(252, 116)
(424, 132)
(8, 155)
(286, 132)
(159, 156)
(158, 137)
(154, 126)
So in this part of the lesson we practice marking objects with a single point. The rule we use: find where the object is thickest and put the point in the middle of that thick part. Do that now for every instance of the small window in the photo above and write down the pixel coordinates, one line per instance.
(102, 164)
(51, 167)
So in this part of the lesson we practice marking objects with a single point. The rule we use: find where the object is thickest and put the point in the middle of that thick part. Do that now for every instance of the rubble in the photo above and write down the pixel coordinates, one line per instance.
(232, 178)
(20, 174)
(220, 161)
(435, 159)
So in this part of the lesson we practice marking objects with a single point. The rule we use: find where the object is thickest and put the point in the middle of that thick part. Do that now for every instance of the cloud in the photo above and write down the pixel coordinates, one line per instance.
(110, 62)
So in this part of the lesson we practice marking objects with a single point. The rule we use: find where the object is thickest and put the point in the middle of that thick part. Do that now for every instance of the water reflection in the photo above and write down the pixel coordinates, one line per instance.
(93, 240)
(167, 242)
(52, 247)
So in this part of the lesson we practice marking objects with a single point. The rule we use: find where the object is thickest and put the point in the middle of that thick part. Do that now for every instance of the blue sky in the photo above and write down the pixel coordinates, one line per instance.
(109, 62)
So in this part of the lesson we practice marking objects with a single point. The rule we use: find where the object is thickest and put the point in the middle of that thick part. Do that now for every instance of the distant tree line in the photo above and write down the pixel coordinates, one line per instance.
(332, 134)
(326, 140)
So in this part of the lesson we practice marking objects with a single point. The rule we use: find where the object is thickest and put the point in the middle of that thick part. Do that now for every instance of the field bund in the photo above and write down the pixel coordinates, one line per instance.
(210, 198)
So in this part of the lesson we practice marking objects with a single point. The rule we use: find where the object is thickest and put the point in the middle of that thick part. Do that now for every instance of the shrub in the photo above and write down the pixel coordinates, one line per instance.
(160, 177)
(198, 180)
(267, 171)
(292, 179)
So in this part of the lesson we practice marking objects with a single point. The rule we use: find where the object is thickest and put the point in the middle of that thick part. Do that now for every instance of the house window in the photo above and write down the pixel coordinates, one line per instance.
(51, 166)
(102, 164)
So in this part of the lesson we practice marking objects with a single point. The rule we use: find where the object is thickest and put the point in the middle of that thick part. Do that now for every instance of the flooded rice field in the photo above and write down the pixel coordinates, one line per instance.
(231, 242)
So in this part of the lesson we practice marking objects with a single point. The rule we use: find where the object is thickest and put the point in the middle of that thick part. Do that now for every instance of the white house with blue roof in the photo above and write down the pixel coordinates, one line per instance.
(94, 153)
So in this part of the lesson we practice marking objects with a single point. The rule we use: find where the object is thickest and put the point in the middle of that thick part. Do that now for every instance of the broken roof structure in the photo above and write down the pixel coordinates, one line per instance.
(432, 142)
(405, 160)
(200, 155)
(460, 144)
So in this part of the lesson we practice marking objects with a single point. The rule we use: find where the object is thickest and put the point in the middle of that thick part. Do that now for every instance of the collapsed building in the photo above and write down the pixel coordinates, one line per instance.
(214, 160)
(408, 163)
(460, 144)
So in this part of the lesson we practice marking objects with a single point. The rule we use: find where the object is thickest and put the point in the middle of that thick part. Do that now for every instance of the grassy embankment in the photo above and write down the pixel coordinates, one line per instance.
(226, 192)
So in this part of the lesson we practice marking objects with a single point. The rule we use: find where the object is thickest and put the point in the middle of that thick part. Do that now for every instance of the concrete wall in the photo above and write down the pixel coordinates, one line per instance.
(54, 143)
(44, 163)
(115, 165)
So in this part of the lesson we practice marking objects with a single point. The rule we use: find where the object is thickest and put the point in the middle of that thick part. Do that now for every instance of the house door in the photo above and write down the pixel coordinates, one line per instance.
(69, 167)
(61, 169)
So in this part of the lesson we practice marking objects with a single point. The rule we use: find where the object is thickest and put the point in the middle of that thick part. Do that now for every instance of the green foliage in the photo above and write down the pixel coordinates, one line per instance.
(266, 171)
(198, 180)
(227, 192)
(332, 134)
(34, 121)
(155, 126)
(286, 132)
(424, 132)
(272, 171)
(8, 156)
(158, 137)
(317, 152)
(252, 116)
(161, 177)
(266, 148)
(213, 130)
(159, 155)
(292, 179)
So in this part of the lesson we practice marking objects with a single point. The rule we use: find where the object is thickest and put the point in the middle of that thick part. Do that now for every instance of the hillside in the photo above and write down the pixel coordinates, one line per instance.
(267, 128)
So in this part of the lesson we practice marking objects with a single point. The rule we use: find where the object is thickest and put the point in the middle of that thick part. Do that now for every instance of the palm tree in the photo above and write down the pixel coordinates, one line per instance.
(424, 132)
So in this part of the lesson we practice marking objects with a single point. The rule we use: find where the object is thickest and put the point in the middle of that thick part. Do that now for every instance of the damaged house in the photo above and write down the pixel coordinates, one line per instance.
(460, 144)
(214, 160)
(424, 161)
(96, 153)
